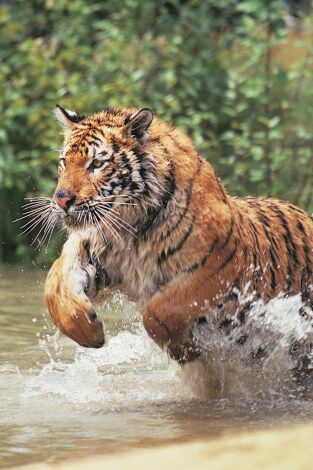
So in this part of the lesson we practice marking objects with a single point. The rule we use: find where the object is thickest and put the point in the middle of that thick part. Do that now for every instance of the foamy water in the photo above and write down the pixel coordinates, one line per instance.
(58, 400)
(107, 378)
(257, 359)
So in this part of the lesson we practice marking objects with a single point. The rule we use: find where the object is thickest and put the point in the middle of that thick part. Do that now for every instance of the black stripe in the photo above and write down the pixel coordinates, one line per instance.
(242, 313)
(229, 233)
(256, 241)
(114, 112)
(221, 188)
(100, 130)
(227, 260)
(112, 171)
(143, 176)
(258, 269)
(293, 261)
(291, 246)
(111, 125)
(273, 248)
(306, 275)
(273, 280)
(306, 291)
(92, 142)
(155, 215)
(172, 250)
(182, 148)
(116, 148)
(126, 162)
(232, 295)
(154, 140)
(182, 215)
(306, 248)
(297, 209)
(301, 227)
(226, 323)
(242, 339)
(273, 258)
(170, 185)
(94, 137)
(202, 260)
(140, 158)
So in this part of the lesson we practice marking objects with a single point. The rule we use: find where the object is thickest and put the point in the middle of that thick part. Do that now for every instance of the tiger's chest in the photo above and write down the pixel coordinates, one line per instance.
(135, 271)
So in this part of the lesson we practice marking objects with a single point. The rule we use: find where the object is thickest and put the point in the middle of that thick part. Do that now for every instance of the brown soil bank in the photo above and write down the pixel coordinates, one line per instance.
(281, 449)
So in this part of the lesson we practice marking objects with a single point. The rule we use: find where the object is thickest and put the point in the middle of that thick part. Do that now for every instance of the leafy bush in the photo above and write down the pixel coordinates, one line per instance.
(214, 68)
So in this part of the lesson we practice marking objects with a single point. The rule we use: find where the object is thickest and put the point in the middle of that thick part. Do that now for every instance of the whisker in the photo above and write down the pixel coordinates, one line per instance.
(48, 230)
(115, 223)
(115, 234)
(32, 224)
(38, 213)
(32, 213)
(119, 223)
(39, 203)
(101, 232)
(42, 229)
(112, 230)
(61, 230)
(34, 219)
(118, 203)
(35, 198)
(53, 220)
(117, 216)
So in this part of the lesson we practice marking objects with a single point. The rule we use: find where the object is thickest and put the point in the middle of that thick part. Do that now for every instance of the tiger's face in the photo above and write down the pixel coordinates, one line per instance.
(103, 167)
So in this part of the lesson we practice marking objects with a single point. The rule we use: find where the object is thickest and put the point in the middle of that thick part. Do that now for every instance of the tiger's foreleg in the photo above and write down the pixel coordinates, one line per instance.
(171, 315)
(71, 282)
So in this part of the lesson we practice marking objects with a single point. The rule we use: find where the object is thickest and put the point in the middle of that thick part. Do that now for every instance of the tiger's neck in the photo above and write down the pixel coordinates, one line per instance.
(175, 182)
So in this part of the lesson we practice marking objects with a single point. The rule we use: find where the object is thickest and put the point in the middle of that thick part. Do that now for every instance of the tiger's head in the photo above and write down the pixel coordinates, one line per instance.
(106, 167)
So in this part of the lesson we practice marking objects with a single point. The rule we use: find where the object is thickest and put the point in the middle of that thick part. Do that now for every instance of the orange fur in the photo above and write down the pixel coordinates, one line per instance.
(195, 247)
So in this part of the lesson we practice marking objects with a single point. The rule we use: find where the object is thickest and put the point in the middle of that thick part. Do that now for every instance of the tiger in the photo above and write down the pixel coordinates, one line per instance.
(148, 216)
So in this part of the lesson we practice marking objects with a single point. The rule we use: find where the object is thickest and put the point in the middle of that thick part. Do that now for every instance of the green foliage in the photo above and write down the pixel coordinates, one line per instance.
(210, 67)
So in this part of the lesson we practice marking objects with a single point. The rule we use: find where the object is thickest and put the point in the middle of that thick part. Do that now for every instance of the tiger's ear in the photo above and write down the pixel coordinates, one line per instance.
(66, 117)
(138, 124)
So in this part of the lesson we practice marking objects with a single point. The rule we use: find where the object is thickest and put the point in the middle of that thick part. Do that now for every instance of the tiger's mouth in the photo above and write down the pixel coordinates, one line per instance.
(75, 216)
(102, 215)
(80, 217)
(72, 221)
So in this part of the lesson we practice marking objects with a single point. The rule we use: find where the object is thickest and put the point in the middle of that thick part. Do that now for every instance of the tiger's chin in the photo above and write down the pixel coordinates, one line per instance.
(75, 223)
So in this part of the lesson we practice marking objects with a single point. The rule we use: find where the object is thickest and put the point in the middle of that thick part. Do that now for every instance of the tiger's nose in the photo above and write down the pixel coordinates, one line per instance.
(64, 199)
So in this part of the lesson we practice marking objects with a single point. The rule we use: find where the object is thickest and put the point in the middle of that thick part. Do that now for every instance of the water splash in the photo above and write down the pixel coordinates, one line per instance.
(255, 360)
(124, 372)
(270, 355)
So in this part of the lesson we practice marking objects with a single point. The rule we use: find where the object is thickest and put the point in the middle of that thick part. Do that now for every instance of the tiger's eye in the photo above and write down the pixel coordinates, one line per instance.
(97, 163)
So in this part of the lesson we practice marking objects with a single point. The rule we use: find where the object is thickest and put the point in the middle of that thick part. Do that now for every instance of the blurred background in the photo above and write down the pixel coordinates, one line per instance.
(237, 76)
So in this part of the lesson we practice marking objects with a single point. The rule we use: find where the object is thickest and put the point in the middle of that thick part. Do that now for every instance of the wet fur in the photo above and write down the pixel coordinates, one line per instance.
(196, 248)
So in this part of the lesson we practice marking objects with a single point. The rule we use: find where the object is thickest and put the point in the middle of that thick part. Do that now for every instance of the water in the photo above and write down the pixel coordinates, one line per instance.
(58, 400)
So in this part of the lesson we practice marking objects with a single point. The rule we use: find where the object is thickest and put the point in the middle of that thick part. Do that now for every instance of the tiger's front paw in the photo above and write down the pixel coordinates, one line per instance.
(69, 284)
